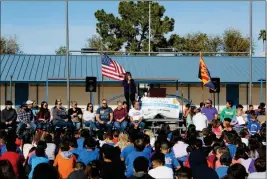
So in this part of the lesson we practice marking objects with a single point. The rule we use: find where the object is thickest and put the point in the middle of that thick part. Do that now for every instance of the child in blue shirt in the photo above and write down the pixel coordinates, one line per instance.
(90, 152)
(229, 140)
(127, 150)
(74, 148)
(83, 135)
(253, 125)
(148, 148)
(139, 146)
(226, 161)
(170, 160)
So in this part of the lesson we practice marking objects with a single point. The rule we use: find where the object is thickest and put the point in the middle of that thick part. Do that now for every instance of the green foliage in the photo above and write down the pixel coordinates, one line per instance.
(131, 28)
(96, 42)
(233, 41)
(62, 50)
(9, 45)
(262, 36)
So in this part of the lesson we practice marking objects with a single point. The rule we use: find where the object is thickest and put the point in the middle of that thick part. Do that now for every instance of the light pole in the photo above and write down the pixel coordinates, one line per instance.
(250, 55)
(266, 57)
(149, 27)
(67, 54)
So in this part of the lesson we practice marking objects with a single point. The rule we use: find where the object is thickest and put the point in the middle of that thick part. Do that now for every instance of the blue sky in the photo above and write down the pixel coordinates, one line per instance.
(40, 26)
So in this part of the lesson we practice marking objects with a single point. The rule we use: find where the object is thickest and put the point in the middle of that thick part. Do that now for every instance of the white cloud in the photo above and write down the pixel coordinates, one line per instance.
(46, 39)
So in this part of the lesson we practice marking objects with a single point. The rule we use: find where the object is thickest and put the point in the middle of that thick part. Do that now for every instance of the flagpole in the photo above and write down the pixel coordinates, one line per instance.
(200, 56)
(102, 87)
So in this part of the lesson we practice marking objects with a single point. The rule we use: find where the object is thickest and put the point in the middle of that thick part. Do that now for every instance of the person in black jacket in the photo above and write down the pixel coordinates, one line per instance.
(199, 166)
(8, 116)
(129, 89)
(75, 115)
(112, 166)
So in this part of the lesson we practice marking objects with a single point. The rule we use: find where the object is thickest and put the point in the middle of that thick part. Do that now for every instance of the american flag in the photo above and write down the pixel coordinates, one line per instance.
(111, 69)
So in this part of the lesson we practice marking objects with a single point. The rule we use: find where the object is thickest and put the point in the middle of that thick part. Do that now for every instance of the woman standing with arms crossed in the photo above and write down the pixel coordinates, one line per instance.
(129, 89)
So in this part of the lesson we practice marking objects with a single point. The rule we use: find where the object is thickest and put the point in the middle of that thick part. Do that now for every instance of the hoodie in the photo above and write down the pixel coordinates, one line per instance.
(65, 162)
(199, 166)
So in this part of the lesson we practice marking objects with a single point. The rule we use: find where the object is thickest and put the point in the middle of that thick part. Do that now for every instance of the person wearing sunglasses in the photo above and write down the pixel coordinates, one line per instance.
(209, 111)
(104, 117)
(89, 117)
(75, 115)
(43, 116)
(60, 116)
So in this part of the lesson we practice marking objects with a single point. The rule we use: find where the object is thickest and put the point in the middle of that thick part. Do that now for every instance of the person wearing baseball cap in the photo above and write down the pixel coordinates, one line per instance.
(29, 104)
(8, 116)
(25, 117)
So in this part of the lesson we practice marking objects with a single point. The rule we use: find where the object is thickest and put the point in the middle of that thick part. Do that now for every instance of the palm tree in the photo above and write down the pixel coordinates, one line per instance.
(262, 36)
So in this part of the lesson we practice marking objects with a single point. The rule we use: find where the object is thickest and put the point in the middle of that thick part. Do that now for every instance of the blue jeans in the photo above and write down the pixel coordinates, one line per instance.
(90, 124)
(141, 125)
(22, 126)
(77, 125)
(61, 123)
(106, 126)
(120, 125)
(42, 125)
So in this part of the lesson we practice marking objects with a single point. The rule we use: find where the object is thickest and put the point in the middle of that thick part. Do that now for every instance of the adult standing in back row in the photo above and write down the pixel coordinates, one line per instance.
(129, 89)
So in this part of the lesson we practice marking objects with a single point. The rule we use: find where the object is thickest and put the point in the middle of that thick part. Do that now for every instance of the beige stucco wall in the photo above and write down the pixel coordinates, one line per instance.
(255, 94)
(2, 93)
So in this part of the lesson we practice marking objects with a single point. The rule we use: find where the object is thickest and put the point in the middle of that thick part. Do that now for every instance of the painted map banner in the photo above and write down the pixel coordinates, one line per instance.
(167, 107)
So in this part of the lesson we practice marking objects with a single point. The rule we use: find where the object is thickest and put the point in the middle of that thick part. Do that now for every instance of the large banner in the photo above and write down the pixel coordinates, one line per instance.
(167, 107)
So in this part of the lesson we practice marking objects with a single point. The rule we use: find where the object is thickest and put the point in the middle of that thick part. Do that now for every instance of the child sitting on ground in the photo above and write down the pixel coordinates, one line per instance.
(217, 128)
(219, 152)
(65, 160)
(116, 137)
(109, 139)
(74, 148)
(170, 160)
(226, 161)
(78, 172)
(90, 152)
(229, 141)
(148, 148)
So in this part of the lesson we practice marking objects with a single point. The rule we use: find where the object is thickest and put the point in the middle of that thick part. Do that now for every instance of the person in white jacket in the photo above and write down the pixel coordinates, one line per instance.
(160, 171)
(89, 117)
(200, 120)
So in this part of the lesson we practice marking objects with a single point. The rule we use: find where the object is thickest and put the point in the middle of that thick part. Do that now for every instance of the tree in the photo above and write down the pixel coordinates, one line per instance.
(96, 42)
(262, 36)
(196, 42)
(10, 45)
(62, 50)
(233, 41)
(131, 28)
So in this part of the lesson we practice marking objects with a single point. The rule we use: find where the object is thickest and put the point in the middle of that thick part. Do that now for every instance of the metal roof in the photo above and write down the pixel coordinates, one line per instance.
(36, 68)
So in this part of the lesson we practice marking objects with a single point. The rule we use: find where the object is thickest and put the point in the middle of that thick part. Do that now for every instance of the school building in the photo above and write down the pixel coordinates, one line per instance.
(33, 77)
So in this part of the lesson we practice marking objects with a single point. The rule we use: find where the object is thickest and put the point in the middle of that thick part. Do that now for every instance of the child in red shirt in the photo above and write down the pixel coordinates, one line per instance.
(14, 158)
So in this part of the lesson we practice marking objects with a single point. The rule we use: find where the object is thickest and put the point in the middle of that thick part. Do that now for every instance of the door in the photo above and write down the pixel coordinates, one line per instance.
(232, 93)
(21, 93)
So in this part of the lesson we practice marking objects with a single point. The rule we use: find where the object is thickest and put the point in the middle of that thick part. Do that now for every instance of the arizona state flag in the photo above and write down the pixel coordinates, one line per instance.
(204, 74)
